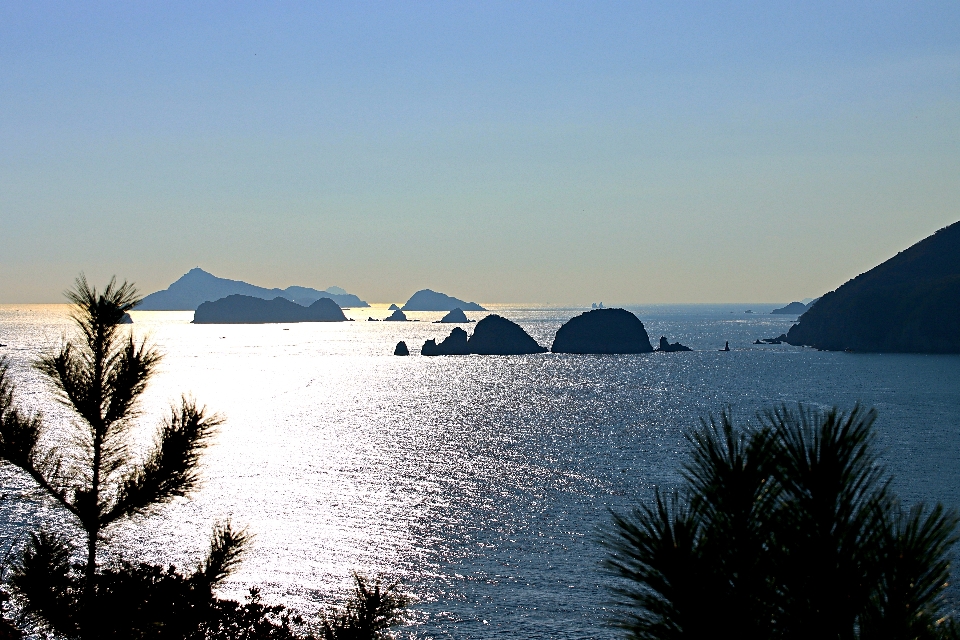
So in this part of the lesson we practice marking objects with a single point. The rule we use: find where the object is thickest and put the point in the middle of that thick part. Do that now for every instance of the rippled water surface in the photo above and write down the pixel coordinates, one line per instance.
(481, 483)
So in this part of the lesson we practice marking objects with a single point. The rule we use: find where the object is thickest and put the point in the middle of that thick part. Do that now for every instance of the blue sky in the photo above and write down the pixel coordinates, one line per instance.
(527, 152)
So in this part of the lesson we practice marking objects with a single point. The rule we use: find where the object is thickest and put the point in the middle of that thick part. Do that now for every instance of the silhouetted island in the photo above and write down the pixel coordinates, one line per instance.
(237, 309)
(396, 316)
(457, 315)
(493, 336)
(908, 304)
(794, 308)
(602, 331)
(427, 300)
(197, 286)
(126, 319)
(497, 336)
(401, 349)
(667, 347)
(454, 345)
(392, 307)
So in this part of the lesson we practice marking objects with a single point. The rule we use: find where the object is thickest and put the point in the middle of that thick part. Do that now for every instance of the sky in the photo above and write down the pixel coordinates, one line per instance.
(561, 152)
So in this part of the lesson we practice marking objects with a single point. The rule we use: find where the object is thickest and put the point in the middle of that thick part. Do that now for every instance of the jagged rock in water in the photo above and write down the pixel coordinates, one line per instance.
(396, 316)
(392, 307)
(454, 345)
(238, 309)
(602, 331)
(401, 349)
(666, 347)
(497, 336)
(457, 315)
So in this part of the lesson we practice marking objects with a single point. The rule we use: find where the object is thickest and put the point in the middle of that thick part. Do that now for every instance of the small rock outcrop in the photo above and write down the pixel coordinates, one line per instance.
(455, 316)
(239, 309)
(454, 345)
(497, 336)
(401, 349)
(126, 319)
(396, 316)
(667, 347)
(602, 331)
(392, 307)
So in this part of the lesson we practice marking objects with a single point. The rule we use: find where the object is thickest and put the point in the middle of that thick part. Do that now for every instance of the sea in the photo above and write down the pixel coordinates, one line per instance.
(483, 485)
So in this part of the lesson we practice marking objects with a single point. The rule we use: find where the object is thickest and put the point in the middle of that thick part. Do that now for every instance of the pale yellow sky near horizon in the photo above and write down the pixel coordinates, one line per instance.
(539, 153)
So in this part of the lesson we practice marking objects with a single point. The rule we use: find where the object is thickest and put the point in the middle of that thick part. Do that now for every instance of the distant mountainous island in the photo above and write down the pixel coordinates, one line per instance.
(908, 304)
(238, 309)
(794, 308)
(197, 286)
(428, 300)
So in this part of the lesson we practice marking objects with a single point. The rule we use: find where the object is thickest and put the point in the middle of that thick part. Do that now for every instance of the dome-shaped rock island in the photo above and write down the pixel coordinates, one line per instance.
(602, 331)
(455, 316)
(240, 309)
(396, 316)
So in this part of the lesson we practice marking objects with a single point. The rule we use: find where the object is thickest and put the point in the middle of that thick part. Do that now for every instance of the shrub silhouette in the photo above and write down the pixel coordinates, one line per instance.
(86, 467)
(785, 530)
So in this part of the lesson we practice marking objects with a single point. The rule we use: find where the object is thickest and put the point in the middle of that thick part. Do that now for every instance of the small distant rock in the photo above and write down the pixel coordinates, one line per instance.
(370, 319)
(666, 347)
(401, 349)
(454, 345)
(392, 307)
(396, 316)
(455, 316)
(602, 331)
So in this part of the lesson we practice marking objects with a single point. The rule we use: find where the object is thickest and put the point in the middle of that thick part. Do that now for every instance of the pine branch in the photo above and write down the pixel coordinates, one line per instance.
(20, 442)
(127, 378)
(170, 470)
(227, 546)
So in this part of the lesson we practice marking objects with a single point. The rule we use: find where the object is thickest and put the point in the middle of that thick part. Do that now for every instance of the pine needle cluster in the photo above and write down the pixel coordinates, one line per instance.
(784, 530)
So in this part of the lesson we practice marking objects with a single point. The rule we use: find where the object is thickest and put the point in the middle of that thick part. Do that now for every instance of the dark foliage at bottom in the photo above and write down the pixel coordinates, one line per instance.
(148, 602)
(785, 530)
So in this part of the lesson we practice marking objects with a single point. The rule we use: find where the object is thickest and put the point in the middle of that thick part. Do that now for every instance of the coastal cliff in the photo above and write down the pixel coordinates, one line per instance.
(908, 304)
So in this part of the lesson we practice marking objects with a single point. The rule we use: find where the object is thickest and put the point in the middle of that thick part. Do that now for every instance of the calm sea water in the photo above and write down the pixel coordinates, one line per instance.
(481, 483)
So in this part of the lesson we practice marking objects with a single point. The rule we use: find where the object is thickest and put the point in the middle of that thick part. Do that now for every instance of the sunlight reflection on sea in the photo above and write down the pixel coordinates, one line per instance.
(479, 482)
